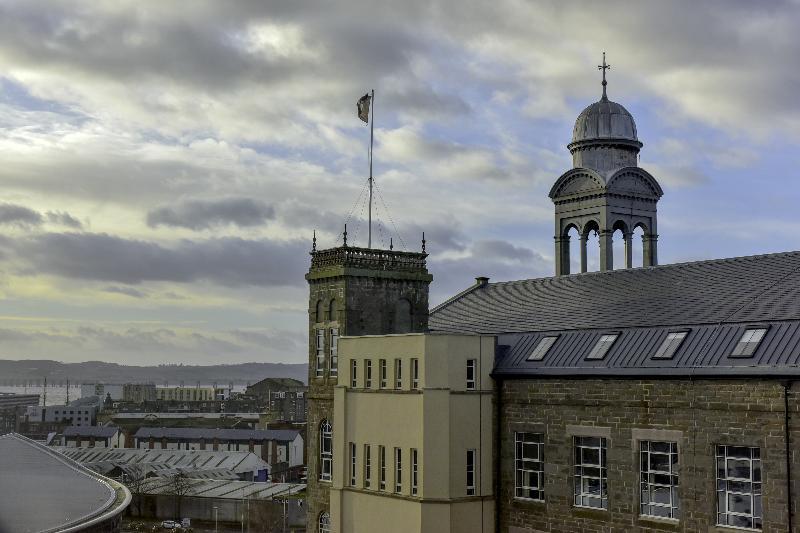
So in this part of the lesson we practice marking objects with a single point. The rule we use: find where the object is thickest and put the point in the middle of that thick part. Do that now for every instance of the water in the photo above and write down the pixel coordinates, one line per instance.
(56, 394)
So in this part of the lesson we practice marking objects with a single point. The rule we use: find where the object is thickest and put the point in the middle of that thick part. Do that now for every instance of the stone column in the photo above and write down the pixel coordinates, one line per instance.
(584, 239)
(628, 249)
(562, 255)
(606, 250)
(650, 250)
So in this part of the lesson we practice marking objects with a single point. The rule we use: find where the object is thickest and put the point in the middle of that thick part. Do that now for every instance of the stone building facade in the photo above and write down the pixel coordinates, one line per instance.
(352, 291)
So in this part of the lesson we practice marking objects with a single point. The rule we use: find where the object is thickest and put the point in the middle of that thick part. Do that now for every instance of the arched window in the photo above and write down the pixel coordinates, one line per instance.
(319, 311)
(332, 310)
(325, 451)
(325, 522)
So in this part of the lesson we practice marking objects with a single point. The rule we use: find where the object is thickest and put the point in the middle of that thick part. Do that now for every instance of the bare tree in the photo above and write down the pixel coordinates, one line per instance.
(135, 479)
(180, 485)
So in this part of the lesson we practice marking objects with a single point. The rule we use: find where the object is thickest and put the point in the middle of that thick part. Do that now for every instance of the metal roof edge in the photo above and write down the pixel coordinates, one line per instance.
(458, 296)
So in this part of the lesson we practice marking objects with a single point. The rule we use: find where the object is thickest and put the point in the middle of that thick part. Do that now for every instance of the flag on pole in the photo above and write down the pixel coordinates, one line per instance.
(363, 108)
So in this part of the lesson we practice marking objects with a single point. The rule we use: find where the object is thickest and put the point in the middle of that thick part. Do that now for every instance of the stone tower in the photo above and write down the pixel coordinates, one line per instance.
(352, 291)
(605, 190)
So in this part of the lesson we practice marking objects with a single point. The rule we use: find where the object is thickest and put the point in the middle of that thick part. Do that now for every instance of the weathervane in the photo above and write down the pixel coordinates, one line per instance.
(604, 67)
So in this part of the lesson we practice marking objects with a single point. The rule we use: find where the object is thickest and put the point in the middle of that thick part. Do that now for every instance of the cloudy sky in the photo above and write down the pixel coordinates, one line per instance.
(163, 164)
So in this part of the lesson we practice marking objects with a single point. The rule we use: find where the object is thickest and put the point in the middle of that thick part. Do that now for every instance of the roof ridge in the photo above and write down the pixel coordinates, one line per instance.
(458, 296)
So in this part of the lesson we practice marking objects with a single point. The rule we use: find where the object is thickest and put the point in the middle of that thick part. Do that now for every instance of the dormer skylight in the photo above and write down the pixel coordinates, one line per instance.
(750, 340)
(670, 345)
(541, 349)
(603, 345)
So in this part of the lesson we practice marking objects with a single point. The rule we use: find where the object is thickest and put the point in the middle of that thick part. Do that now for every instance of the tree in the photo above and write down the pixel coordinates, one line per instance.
(135, 479)
(180, 485)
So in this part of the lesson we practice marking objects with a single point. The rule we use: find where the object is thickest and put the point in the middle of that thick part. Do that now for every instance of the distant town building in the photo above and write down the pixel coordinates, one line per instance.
(191, 394)
(282, 399)
(139, 392)
(101, 390)
(13, 408)
(93, 437)
(282, 449)
(44, 491)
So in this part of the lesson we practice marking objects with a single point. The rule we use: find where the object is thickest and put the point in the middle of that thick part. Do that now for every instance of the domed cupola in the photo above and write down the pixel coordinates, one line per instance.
(604, 137)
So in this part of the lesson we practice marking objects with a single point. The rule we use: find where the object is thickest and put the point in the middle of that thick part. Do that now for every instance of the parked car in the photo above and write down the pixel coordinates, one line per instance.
(186, 523)
(169, 524)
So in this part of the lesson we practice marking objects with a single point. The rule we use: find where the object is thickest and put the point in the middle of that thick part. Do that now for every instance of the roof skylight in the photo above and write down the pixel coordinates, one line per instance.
(541, 349)
(750, 340)
(670, 345)
(603, 345)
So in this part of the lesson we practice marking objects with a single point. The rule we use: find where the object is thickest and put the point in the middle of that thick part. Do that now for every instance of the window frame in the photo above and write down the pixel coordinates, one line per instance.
(320, 366)
(470, 471)
(325, 457)
(756, 494)
(669, 347)
(542, 347)
(398, 470)
(521, 439)
(353, 373)
(383, 380)
(367, 373)
(353, 464)
(579, 476)
(472, 365)
(334, 352)
(382, 468)
(745, 349)
(414, 471)
(367, 466)
(415, 373)
(603, 346)
(653, 478)
(324, 522)
(398, 373)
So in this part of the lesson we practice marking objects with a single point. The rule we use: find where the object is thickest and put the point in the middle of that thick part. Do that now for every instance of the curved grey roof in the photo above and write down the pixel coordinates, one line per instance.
(604, 120)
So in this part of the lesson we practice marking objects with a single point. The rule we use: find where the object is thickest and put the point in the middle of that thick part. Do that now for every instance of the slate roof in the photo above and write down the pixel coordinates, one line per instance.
(282, 435)
(104, 432)
(715, 300)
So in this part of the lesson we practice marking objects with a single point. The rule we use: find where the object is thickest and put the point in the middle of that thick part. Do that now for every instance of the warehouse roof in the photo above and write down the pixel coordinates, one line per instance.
(217, 433)
(43, 491)
(715, 302)
(237, 490)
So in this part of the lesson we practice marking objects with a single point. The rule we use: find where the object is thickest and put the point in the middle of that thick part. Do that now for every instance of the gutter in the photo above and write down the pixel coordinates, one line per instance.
(789, 500)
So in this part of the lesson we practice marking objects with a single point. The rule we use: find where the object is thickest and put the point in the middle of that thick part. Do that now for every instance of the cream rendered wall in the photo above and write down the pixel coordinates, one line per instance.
(441, 420)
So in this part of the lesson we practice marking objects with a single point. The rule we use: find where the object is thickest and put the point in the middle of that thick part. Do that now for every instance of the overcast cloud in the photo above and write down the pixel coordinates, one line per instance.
(164, 168)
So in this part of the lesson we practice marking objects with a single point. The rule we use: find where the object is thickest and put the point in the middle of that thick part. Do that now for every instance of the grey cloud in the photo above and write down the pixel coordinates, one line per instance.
(64, 219)
(18, 336)
(127, 291)
(277, 340)
(197, 214)
(225, 261)
(20, 216)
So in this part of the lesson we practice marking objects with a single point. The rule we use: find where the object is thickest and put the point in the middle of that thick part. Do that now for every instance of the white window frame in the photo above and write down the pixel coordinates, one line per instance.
(587, 471)
(367, 373)
(320, 370)
(528, 466)
(415, 373)
(353, 374)
(382, 374)
(324, 522)
(730, 487)
(398, 470)
(352, 464)
(414, 471)
(398, 374)
(382, 467)
(472, 369)
(334, 349)
(471, 456)
(367, 466)
(658, 474)
(325, 451)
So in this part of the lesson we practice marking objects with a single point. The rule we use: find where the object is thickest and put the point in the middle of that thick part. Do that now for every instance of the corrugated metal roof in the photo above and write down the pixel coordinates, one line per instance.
(208, 434)
(237, 490)
(90, 431)
(706, 351)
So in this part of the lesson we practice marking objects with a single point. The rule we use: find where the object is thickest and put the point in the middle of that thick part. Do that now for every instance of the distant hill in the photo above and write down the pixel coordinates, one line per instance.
(14, 372)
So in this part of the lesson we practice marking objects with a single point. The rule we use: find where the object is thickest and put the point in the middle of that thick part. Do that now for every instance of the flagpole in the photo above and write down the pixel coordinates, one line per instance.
(371, 129)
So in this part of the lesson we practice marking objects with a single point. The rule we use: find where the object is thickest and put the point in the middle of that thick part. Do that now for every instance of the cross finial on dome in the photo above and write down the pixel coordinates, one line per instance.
(604, 67)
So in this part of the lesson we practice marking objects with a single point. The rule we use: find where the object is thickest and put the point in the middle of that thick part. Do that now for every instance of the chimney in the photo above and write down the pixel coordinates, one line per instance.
(481, 281)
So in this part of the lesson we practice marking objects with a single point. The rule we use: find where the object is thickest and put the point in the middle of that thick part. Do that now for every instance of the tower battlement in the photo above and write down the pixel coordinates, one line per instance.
(349, 260)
